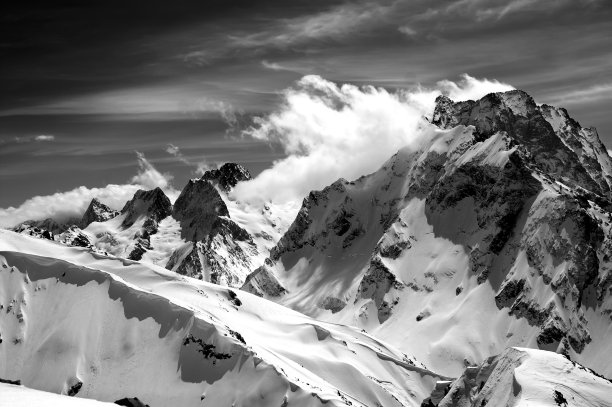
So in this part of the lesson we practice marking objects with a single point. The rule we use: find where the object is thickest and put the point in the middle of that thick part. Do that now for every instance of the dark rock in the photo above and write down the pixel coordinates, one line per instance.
(97, 212)
(75, 388)
(516, 113)
(197, 209)
(376, 282)
(153, 204)
(131, 402)
(332, 304)
(74, 236)
(393, 251)
(262, 282)
(140, 248)
(227, 176)
(559, 398)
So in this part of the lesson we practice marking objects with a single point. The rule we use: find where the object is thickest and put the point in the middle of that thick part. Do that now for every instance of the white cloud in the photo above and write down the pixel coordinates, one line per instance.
(610, 153)
(176, 152)
(199, 167)
(331, 131)
(470, 88)
(161, 102)
(32, 139)
(44, 137)
(148, 176)
(70, 204)
(408, 31)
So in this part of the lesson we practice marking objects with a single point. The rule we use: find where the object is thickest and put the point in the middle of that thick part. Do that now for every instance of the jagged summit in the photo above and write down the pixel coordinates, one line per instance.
(153, 204)
(97, 212)
(197, 208)
(219, 248)
(227, 176)
(49, 226)
(504, 214)
(547, 138)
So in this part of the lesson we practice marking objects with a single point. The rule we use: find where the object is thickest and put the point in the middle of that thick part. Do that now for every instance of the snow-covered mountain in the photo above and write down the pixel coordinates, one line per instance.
(480, 252)
(78, 323)
(204, 234)
(523, 377)
(495, 232)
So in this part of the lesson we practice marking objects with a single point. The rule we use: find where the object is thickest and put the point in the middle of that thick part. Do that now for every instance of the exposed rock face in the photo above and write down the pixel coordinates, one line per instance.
(519, 376)
(375, 284)
(97, 212)
(30, 229)
(45, 228)
(131, 402)
(227, 176)
(513, 195)
(197, 208)
(221, 250)
(558, 151)
(262, 282)
(153, 204)
(74, 236)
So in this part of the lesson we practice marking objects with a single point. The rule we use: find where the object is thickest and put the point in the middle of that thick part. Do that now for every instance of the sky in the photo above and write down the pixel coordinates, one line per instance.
(88, 86)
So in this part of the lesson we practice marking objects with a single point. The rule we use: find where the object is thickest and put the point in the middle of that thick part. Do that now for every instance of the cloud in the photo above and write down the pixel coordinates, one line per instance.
(44, 137)
(199, 167)
(330, 131)
(337, 22)
(610, 153)
(161, 102)
(470, 88)
(148, 176)
(63, 206)
(176, 152)
(495, 10)
(31, 139)
(582, 96)
(408, 31)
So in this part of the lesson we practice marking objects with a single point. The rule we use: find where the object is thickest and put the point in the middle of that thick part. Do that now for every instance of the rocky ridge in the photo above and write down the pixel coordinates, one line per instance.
(507, 193)
(220, 250)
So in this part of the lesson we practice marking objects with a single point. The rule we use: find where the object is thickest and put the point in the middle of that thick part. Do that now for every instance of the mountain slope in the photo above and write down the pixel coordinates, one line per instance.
(494, 232)
(525, 377)
(105, 328)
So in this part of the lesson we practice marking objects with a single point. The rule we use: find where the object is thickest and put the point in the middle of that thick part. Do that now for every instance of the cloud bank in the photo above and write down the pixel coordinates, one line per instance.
(62, 206)
(330, 131)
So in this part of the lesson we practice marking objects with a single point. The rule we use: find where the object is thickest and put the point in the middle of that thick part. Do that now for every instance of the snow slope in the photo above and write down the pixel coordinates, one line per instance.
(527, 377)
(492, 233)
(19, 396)
(108, 328)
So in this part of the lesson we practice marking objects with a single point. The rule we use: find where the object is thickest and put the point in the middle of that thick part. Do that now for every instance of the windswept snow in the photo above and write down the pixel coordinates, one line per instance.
(125, 329)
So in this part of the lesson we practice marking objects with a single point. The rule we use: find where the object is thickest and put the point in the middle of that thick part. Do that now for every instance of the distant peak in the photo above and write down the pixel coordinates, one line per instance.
(228, 175)
(97, 212)
(153, 203)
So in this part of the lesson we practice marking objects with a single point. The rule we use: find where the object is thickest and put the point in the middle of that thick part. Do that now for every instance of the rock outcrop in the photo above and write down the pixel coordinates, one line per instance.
(227, 176)
(97, 212)
(220, 250)
(506, 194)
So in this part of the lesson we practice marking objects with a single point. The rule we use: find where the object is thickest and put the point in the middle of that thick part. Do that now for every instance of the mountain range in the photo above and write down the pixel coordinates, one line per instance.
(472, 269)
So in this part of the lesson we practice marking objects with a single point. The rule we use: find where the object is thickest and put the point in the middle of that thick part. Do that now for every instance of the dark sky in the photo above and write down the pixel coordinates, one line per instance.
(107, 78)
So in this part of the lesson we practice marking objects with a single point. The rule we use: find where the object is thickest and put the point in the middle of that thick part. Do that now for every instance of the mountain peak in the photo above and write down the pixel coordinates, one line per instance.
(227, 176)
(197, 208)
(97, 212)
(154, 204)
(546, 137)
